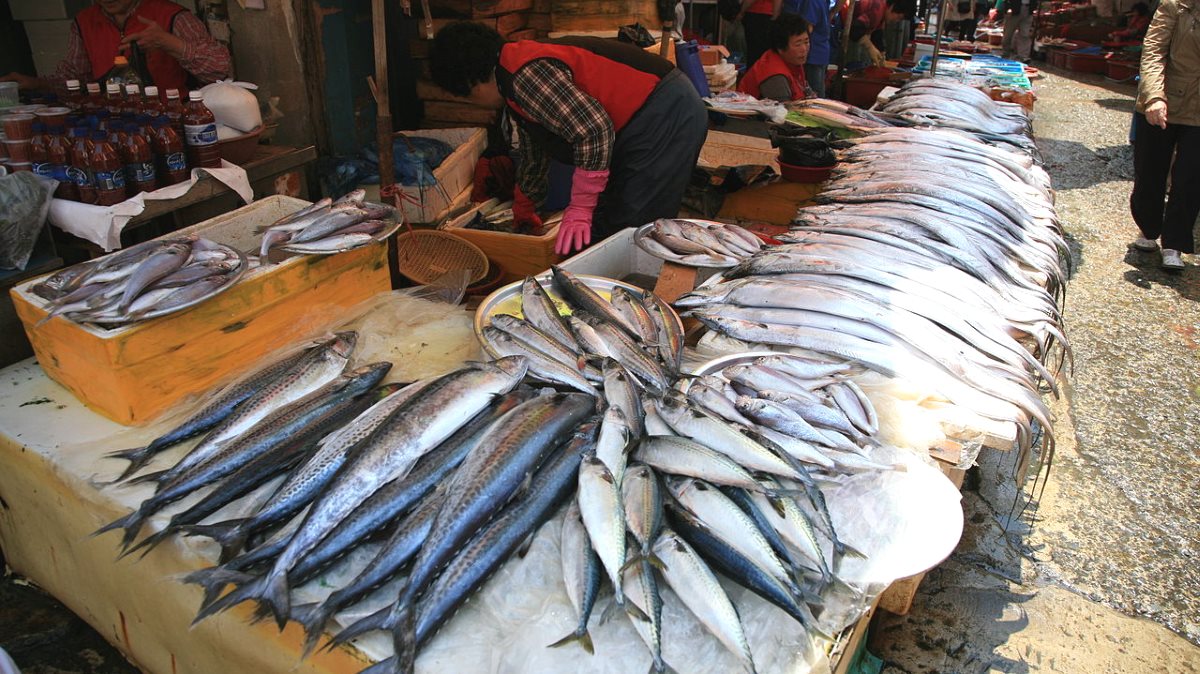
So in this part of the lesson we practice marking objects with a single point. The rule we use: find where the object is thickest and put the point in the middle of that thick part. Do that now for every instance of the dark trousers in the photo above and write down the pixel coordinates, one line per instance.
(815, 74)
(758, 28)
(1152, 151)
(653, 157)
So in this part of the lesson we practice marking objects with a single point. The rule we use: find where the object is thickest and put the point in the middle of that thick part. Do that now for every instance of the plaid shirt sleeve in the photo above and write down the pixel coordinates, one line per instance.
(75, 65)
(546, 92)
(203, 57)
(533, 172)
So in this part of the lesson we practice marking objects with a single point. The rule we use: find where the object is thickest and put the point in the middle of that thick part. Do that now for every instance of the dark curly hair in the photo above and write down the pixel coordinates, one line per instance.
(463, 55)
(784, 28)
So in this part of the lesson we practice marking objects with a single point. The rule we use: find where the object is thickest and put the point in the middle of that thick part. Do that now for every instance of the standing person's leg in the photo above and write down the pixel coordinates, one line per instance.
(1183, 204)
(815, 74)
(757, 26)
(1011, 20)
(653, 159)
(1152, 151)
(1024, 43)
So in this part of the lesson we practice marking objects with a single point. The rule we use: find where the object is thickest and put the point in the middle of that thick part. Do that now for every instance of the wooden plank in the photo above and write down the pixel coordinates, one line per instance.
(508, 24)
(571, 24)
(542, 6)
(482, 8)
(843, 653)
(463, 114)
(775, 203)
(604, 7)
(526, 34)
(539, 21)
(428, 91)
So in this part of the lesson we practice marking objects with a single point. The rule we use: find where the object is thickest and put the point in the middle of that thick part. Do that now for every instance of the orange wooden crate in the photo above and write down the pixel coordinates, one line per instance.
(133, 374)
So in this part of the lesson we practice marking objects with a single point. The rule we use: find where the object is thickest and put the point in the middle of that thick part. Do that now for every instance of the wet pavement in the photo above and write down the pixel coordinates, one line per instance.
(1100, 574)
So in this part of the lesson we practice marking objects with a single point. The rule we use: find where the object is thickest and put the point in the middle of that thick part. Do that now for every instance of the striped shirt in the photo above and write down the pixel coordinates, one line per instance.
(205, 58)
(547, 93)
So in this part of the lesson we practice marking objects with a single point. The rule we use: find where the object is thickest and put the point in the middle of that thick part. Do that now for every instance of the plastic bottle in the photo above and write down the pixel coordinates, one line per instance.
(200, 133)
(168, 147)
(94, 102)
(74, 97)
(174, 111)
(122, 73)
(107, 171)
(78, 170)
(133, 101)
(40, 163)
(113, 99)
(152, 104)
(116, 138)
(139, 161)
(58, 153)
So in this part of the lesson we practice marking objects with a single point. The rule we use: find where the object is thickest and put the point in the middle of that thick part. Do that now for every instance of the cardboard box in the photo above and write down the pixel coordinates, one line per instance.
(131, 374)
(517, 255)
(712, 54)
(456, 173)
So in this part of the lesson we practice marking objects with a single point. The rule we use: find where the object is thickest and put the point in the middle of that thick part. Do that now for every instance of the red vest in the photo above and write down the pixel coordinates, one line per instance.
(618, 75)
(761, 7)
(101, 37)
(771, 64)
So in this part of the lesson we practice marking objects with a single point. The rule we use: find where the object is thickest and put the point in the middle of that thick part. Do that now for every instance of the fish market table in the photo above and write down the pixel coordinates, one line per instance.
(50, 447)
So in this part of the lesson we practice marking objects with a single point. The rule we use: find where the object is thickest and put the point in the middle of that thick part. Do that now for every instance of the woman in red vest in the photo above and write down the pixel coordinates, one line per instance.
(175, 43)
(779, 74)
(630, 122)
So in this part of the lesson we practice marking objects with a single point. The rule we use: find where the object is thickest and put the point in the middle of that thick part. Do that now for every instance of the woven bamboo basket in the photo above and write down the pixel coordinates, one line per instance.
(425, 254)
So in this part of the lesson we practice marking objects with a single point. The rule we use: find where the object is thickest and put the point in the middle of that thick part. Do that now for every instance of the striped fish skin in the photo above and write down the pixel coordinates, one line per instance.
(620, 392)
(641, 590)
(490, 475)
(603, 517)
(540, 366)
(643, 504)
(410, 431)
(579, 295)
(542, 312)
(582, 573)
(475, 563)
(630, 306)
(319, 366)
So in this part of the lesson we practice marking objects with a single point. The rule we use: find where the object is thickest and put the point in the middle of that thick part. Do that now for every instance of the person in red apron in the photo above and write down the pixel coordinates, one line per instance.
(629, 122)
(779, 73)
(175, 44)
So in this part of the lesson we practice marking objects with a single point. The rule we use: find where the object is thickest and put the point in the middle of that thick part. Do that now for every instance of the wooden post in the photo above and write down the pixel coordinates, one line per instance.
(840, 82)
(379, 88)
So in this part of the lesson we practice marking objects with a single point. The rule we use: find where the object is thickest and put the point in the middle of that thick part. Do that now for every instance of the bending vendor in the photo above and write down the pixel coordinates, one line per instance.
(629, 121)
(779, 74)
(175, 43)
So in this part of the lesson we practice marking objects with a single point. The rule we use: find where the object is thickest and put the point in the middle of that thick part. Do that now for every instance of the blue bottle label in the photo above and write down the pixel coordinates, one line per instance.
(43, 168)
(199, 134)
(79, 176)
(110, 180)
(140, 171)
(176, 161)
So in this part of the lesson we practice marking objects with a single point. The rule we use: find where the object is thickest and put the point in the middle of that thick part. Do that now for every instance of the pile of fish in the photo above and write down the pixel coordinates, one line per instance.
(146, 280)
(944, 103)
(932, 257)
(836, 115)
(327, 226)
(698, 243)
(455, 472)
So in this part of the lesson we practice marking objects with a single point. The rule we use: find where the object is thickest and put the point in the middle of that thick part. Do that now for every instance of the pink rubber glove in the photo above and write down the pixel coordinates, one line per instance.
(524, 214)
(575, 232)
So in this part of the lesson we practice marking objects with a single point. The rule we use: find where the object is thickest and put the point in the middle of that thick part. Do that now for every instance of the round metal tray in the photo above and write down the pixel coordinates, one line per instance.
(644, 231)
(230, 279)
(507, 300)
(379, 236)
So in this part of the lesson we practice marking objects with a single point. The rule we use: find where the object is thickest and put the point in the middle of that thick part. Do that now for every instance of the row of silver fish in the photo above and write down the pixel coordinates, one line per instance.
(146, 279)
(943, 103)
(699, 242)
(326, 226)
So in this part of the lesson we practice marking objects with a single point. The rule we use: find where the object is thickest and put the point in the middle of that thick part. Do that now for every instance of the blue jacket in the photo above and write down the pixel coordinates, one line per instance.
(815, 12)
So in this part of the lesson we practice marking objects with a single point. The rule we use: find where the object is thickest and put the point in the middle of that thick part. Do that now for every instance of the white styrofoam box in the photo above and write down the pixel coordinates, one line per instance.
(48, 39)
(456, 173)
(618, 257)
(40, 10)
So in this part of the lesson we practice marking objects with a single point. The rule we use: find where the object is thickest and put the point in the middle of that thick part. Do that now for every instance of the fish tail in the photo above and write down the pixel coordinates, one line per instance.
(148, 543)
(404, 637)
(131, 523)
(276, 595)
(579, 635)
(156, 476)
(378, 620)
(629, 563)
(248, 590)
(312, 617)
(230, 535)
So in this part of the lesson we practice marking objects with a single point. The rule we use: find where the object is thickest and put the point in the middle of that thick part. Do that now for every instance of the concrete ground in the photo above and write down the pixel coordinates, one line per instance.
(1100, 574)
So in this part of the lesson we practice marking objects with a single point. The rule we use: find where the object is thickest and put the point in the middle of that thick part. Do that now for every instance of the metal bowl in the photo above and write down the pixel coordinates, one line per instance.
(507, 300)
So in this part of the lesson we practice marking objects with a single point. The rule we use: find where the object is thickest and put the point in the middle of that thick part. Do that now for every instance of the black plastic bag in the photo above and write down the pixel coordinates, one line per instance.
(636, 34)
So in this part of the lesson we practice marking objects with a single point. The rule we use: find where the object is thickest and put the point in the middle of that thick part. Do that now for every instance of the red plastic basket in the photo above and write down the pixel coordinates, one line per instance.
(805, 174)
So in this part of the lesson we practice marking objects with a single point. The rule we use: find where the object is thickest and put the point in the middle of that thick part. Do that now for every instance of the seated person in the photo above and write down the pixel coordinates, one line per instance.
(1135, 29)
(779, 73)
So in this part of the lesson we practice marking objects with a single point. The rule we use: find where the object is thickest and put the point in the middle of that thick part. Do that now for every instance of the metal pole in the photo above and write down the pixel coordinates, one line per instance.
(840, 83)
(937, 37)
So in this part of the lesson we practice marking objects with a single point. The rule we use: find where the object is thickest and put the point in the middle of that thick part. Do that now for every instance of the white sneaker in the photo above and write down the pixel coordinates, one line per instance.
(1171, 259)
(1148, 245)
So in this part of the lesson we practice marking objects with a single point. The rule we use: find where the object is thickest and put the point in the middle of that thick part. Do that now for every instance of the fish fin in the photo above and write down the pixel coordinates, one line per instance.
(636, 613)
(230, 535)
(524, 548)
(248, 590)
(657, 563)
(312, 617)
(584, 639)
(131, 523)
(276, 594)
(608, 613)
(149, 542)
(137, 457)
(630, 562)
(148, 477)
(379, 620)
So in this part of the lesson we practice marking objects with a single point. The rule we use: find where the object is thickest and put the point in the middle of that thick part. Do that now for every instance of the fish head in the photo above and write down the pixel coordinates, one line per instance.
(592, 464)
(344, 343)
(750, 405)
(506, 321)
(513, 366)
